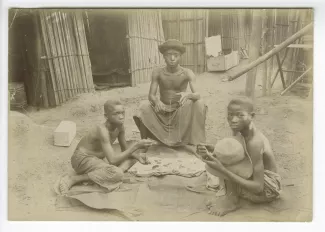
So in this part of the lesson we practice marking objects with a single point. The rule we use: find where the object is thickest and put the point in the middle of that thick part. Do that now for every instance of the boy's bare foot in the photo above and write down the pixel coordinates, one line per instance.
(65, 184)
(223, 205)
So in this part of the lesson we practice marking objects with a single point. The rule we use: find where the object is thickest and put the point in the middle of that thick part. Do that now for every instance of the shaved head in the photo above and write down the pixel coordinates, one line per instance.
(110, 104)
(245, 102)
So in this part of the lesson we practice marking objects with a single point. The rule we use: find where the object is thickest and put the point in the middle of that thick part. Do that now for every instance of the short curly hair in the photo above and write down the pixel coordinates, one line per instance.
(110, 104)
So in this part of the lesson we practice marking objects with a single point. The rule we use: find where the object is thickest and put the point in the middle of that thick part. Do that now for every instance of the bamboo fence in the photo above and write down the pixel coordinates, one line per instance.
(145, 34)
(233, 27)
(65, 56)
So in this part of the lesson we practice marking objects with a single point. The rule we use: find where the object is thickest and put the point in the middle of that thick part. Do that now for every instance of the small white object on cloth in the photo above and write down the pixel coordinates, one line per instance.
(186, 167)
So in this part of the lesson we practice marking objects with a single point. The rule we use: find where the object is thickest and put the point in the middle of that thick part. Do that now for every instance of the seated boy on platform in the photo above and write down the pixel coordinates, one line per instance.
(88, 158)
(245, 161)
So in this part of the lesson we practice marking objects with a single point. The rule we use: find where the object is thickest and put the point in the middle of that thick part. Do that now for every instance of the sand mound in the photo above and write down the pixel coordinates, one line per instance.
(23, 132)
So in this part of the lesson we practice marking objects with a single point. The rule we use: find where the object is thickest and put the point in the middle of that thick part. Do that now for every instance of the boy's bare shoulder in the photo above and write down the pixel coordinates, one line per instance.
(100, 131)
(157, 70)
(256, 146)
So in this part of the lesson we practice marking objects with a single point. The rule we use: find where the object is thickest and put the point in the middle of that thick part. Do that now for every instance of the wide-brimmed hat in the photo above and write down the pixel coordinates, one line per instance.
(172, 44)
(232, 154)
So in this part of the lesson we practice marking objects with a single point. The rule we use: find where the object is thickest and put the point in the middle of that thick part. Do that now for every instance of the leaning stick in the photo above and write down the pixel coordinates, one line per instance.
(272, 52)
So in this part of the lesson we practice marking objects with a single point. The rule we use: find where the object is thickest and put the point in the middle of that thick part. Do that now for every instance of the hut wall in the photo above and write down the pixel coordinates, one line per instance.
(190, 27)
(145, 34)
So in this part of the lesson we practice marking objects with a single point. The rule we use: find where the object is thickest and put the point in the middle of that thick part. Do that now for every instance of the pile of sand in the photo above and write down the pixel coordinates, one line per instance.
(24, 134)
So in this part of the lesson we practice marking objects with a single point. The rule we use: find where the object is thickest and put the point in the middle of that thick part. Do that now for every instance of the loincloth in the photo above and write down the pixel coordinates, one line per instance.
(177, 126)
(99, 171)
(272, 189)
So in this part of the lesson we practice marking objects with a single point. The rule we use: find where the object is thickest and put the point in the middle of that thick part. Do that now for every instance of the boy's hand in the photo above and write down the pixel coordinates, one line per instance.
(144, 143)
(183, 97)
(209, 147)
(142, 158)
(213, 162)
(159, 107)
(202, 151)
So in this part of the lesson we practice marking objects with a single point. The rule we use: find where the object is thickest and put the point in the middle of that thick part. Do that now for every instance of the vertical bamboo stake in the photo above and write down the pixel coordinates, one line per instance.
(56, 97)
(58, 55)
(67, 52)
(62, 54)
(263, 51)
(82, 77)
(74, 62)
(86, 53)
(271, 19)
(54, 57)
(195, 45)
(254, 47)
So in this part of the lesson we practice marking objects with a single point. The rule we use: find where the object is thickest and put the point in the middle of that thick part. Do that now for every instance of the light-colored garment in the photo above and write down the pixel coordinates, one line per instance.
(214, 182)
(272, 189)
(99, 171)
(177, 126)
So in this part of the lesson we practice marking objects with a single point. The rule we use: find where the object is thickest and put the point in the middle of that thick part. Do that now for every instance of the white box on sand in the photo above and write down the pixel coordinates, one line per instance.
(218, 59)
(65, 133)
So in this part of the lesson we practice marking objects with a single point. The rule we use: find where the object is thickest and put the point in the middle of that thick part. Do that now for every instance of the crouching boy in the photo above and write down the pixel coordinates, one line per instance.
(245, 161)
(88, 158)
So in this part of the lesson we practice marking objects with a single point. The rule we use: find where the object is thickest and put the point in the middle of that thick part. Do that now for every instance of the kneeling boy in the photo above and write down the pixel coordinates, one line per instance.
(253, 173)
(88, 158)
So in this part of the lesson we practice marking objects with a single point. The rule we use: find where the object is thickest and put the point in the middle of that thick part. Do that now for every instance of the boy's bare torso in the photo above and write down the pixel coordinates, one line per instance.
(171, 83)
(259, 141)
(91, 142)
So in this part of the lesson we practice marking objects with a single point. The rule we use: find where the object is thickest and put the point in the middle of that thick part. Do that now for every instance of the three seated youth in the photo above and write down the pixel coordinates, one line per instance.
(244, 161)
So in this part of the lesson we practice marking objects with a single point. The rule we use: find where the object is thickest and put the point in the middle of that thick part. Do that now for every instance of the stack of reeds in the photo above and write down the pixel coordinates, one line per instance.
(145, 34)
(66, 56)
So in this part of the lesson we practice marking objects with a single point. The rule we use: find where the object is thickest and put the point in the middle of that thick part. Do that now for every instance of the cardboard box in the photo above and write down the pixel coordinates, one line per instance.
(65, 133)
(219, 60)
(223, 62)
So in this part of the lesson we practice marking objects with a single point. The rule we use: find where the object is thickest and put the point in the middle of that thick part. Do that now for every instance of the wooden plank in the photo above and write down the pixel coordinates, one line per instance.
(303, 46)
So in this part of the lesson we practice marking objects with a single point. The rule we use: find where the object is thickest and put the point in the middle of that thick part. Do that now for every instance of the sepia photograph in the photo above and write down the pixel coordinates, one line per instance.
(160, 114)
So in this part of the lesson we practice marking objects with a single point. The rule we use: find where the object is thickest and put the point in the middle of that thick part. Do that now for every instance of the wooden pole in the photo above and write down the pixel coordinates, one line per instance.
(41, 67)
(254, 49)
(271, 53)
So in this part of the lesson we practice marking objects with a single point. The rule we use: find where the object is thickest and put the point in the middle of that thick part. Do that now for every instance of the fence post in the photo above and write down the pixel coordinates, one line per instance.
(254, 49)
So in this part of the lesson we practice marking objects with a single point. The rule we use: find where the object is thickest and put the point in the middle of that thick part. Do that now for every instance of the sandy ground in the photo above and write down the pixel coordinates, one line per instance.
(285, 120)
